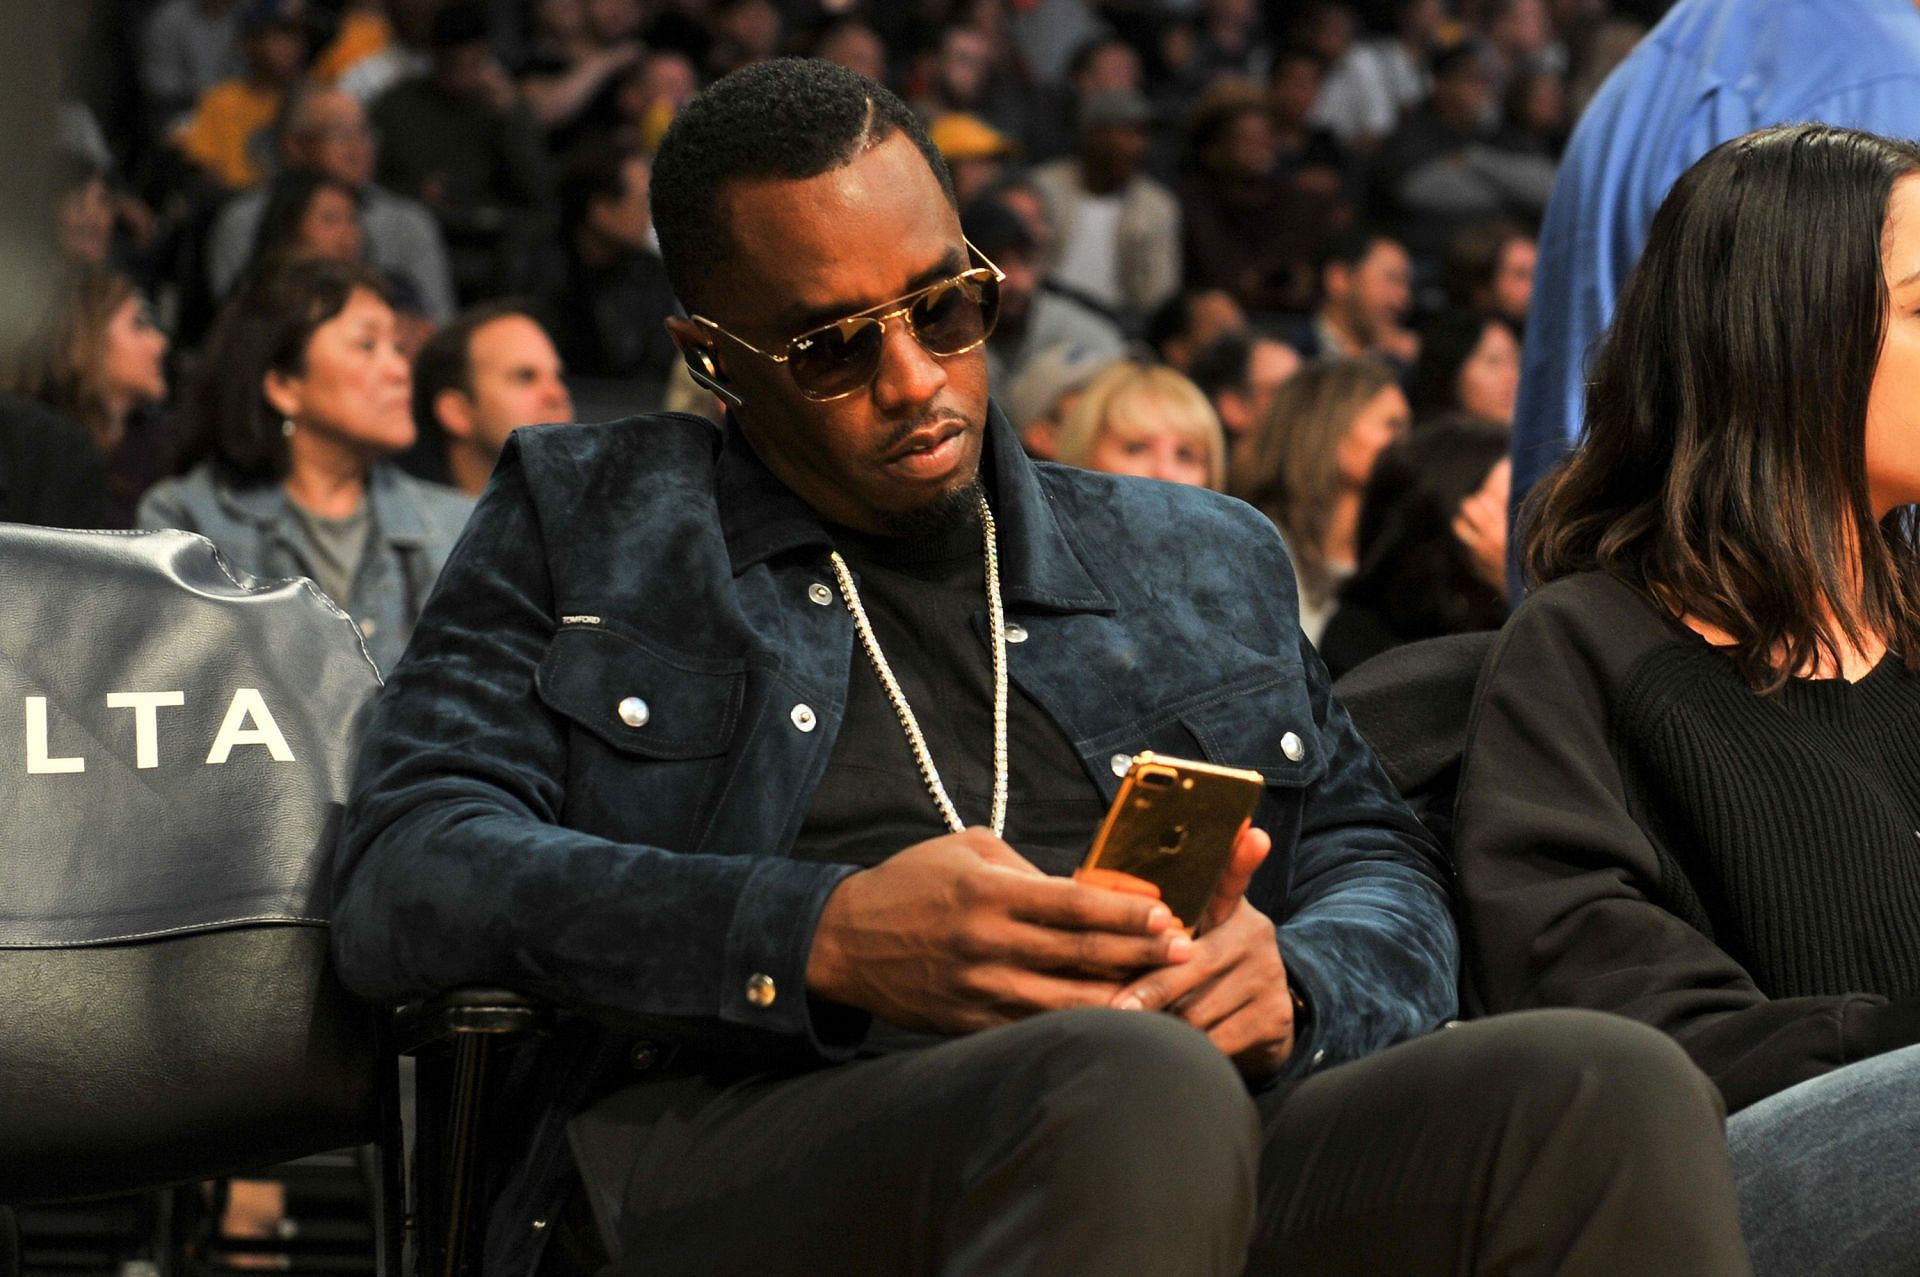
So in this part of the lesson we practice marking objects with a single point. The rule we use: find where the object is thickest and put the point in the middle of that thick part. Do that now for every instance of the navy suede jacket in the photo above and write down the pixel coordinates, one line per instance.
(510, 826)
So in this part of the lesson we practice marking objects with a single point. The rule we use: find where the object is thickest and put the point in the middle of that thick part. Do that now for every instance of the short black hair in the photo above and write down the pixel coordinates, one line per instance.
(595, 171)
(445, 362)
(783, 119)
(1222, 364)
(1352, 246)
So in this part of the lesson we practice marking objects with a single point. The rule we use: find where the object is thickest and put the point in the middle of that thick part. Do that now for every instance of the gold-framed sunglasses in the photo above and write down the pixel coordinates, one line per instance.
(947, 318)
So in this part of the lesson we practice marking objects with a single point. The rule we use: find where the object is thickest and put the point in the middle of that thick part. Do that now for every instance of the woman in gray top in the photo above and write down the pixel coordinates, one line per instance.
(301, 399)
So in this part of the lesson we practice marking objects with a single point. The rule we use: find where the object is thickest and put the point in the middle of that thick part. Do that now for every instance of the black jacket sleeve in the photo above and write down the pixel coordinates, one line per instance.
(1562, 889)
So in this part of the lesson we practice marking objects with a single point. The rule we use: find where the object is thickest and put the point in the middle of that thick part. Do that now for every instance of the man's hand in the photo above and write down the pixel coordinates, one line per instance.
(1234, 986)
(961, 933)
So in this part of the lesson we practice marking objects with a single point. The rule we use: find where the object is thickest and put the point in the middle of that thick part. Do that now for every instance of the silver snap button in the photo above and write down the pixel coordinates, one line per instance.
(820, 594)
(760, 990)
(803, 718)
(634, 712)
(1016, 634)
(1291, 746)
(1318, 1056)
(643, 1056)
(1121, 764)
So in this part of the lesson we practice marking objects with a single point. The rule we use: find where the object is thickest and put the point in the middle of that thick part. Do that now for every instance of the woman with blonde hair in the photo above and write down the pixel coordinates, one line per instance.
(1306, 465)
(1145, 420)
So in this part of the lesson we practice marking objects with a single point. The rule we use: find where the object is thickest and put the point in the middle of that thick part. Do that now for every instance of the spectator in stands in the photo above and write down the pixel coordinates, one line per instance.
(299, 403)
(1535, 113)
(97, 358)
(83, 210)
(1445, 166)
(610, 296)
(1366, 292)
(1046, 391)
(1119, 230)
(460, 140)
(1690, 787)
(1715, 69)
(851, 43)
(407, 52)
(1101, 62)
(306, 214)
(1469, 363)
(1307, 463)
(476, 381)
(1489, 269)
(187, 47)
(365, 31)
(1033, 317)
(1230, 41)
(1189, 322)
(1369, 85)
(569, 75)
(1432, 544)
(744, 32)
(230, 133)
(1310, 158)
(325, 131)
(1145, 420)
(1246, 229)
(50, 475)
(661, 82)
(976, 153)
(1240, 372)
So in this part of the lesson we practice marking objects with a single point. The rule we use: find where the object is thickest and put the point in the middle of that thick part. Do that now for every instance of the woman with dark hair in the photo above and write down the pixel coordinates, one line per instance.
(96, 357)
(301, 398)
(307, 214)
(1469, 363)
(1432, 544)
(1692, 789)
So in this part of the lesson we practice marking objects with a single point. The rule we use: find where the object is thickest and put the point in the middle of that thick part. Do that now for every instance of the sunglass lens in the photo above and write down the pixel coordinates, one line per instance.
(836, 359)
(957, 316)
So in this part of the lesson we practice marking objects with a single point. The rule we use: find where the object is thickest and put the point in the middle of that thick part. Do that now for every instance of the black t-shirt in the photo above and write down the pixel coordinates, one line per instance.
(926, 599)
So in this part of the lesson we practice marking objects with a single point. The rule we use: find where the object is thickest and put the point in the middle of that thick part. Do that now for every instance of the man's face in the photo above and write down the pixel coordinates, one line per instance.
(1513, 279)
(904, 448)
(1113, 68)
(516, 379)
(333, 138)
(1380, 289)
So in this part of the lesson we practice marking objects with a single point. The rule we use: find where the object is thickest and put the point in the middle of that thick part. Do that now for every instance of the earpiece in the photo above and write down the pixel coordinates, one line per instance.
(706, 373)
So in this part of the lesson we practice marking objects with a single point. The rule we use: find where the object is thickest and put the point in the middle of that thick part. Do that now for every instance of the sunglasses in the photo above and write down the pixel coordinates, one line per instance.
(834, 360)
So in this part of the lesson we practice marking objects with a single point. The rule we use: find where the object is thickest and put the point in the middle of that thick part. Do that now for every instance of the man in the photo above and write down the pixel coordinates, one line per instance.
(1033, 317)
(228, 133)
(1366, 290)
(1444, 166)
(477, 380)
(1240, 372)
(325, 131)
(639, 761)
(1489, 269)
(1119, 229)
(187, 47)
(1712, 70)
(609, 293)
(1192, 321)
(460, 140)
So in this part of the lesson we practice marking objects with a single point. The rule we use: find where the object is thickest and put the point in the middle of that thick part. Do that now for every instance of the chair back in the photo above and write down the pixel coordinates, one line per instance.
(1412, 703)
(177, 740)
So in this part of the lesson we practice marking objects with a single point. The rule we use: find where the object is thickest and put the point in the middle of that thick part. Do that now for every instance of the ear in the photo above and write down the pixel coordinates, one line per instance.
(703, 361)
(284, 393)
(454, 413)
(1041, 439)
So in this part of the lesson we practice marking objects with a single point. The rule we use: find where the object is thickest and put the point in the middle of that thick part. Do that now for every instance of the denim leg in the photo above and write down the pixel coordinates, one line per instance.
(1824, 1172)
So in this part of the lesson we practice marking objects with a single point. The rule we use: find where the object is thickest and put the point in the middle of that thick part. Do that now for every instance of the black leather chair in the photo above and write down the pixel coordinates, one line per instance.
(178, 739)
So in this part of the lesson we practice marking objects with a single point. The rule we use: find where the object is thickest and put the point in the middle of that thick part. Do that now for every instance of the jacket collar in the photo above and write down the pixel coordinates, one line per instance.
(397, 514)
(762, 518)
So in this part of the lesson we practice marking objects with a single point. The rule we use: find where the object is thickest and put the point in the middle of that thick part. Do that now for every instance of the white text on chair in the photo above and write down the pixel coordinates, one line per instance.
(248, 722)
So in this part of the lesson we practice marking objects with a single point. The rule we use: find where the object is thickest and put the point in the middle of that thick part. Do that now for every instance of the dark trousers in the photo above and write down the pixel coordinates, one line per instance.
(1104, 1142)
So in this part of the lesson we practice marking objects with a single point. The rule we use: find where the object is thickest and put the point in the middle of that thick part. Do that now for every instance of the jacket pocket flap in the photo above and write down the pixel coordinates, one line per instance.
(1269, 729)
(638, 698)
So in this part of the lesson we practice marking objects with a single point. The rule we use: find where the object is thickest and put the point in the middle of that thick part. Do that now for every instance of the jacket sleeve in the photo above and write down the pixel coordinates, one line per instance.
(1562, 888)
(1365, 920)
(455, 867)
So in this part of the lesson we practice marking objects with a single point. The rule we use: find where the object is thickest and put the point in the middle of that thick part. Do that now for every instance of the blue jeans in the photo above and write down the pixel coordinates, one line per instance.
(1824, 1172)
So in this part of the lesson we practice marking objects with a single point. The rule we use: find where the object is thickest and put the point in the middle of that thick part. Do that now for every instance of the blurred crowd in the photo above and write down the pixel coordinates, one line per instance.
(320, 258)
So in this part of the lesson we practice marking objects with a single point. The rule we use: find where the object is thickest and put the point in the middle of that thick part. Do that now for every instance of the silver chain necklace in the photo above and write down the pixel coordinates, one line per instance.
(997, 622)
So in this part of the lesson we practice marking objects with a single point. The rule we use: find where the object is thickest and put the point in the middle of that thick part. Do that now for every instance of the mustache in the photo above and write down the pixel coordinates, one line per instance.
(920, 421)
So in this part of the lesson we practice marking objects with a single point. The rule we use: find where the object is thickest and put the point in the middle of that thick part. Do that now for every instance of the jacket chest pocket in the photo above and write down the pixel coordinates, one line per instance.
(652, 731)
(1270, 729)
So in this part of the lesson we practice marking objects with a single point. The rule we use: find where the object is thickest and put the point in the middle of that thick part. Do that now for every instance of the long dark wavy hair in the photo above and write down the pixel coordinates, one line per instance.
(1723, 469)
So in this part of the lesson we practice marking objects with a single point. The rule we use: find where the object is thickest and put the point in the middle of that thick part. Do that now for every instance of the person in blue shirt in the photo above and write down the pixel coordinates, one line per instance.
(1709, 72)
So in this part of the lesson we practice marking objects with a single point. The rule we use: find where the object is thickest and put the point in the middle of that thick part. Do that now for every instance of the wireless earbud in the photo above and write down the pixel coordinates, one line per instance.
(706, 373)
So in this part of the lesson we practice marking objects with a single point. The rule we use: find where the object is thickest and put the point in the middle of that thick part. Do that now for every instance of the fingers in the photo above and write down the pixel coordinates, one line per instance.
(996, 851)
(1097, 954)
(1074, 906)
(1158, 990)
(1000, 994)
(1250, 848)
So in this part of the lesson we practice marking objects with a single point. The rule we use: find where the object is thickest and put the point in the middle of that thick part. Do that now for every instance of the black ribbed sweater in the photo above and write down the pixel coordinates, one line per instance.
(1638, 832)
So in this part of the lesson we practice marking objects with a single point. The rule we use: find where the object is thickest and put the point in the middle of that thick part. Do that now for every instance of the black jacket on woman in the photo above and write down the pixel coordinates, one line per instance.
(1638, 832)
(50, 472)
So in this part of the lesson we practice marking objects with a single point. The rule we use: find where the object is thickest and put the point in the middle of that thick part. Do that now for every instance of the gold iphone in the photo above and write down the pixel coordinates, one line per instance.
(1173, 824)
